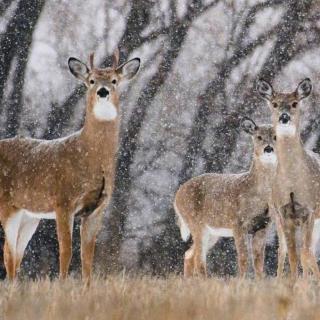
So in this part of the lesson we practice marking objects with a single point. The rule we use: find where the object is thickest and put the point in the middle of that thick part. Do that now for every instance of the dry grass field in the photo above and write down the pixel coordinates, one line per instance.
(124, 297)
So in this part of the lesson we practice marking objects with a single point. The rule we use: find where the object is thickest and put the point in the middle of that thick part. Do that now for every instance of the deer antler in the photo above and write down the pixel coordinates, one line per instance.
(116, 55)
(91, 60)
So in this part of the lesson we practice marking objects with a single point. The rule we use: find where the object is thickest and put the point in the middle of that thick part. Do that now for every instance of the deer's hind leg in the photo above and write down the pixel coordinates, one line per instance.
(195, 257)
(28, 227)
(189, 262)
(18, 228)
(193, 261)
(10, 219)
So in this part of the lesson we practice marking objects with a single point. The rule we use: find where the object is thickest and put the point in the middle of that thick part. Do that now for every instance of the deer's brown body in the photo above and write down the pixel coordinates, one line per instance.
(61, 178)
(214, 205)
(296, 192)
(69, 171)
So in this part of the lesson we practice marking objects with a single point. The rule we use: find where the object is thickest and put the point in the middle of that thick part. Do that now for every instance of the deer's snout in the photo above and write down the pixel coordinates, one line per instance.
(284, 118)
(103, 92)
(268, 149)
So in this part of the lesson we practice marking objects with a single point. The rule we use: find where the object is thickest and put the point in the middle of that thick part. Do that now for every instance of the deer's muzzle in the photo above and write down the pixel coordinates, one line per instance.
(268, 149)
(103, 92)
(284, 118)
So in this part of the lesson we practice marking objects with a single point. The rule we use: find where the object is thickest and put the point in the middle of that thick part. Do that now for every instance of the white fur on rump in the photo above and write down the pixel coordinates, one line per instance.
(316, 238)
(220, 232)
(285, 130)
(19, 229)
(40, 215)
(28, 227)
(210, 236)
(105, 110)
(11, 229)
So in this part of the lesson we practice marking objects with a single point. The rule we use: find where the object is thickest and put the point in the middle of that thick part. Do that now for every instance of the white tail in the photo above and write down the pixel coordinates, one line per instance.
(184, 230)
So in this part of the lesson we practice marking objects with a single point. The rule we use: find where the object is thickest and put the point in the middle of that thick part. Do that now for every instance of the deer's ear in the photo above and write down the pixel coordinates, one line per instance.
(248, 125)
(129, 69)
(78, 69)
(304, 89)
(265, 89)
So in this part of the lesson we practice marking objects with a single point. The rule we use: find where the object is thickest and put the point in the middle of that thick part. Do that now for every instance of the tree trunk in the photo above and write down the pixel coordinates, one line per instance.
(16, 40)
(128, 146)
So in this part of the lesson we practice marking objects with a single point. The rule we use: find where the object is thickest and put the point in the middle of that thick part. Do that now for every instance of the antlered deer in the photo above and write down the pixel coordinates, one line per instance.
(62, 178)
(225, 205)
(296, 192)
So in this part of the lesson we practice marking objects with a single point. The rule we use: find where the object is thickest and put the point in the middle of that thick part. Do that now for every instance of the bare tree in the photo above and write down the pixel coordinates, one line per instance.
(14, 52)
(175, 33)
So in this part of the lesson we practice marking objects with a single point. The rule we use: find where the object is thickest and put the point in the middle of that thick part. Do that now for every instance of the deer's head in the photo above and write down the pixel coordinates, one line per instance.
(264, 141)
(103, 84)
(285, 107)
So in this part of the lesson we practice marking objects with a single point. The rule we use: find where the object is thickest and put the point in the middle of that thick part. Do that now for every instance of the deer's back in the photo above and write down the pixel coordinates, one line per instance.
(212, 196)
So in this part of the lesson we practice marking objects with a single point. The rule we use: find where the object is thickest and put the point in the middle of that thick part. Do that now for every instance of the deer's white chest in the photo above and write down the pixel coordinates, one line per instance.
(286, 130)
(105, 110)
(269, 159)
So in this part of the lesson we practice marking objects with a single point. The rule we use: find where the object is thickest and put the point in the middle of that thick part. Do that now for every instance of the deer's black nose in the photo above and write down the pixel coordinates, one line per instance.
(102, 92)
(284, 118)
(268, 149)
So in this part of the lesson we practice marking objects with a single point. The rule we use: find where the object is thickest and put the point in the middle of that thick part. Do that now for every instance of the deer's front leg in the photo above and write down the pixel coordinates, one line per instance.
(282, 249)
(189, 262)
(308, 259)
(240, 238)
(90, 227)
(290, 235)
(64, 222)
(9, 261)
(259, 241)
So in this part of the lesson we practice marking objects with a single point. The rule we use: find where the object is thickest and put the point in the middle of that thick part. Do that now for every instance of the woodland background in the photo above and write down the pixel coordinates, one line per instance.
(200, 61)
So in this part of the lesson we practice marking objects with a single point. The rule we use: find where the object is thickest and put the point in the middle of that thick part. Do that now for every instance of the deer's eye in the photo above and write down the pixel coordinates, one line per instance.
(114, 81)
(275, 138)
(295, 104)
(259, 138)
(275, 105)
(92, 81)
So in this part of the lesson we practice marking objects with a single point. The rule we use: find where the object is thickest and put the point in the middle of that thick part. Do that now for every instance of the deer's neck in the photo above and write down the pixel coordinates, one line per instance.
(291, 153)
(100, 136)
(262, 174)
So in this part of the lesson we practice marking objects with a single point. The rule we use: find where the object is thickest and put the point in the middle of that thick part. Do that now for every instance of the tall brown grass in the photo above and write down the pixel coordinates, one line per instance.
(145, 298)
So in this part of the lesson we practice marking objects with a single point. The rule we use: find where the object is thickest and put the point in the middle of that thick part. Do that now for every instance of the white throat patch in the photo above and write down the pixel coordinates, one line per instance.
(268, 159)
(285, 130)
(104, 110)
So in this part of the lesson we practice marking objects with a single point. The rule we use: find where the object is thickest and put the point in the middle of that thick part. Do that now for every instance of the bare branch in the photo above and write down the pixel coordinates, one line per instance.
(116, 56)
(91, 60)
(251, 15)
